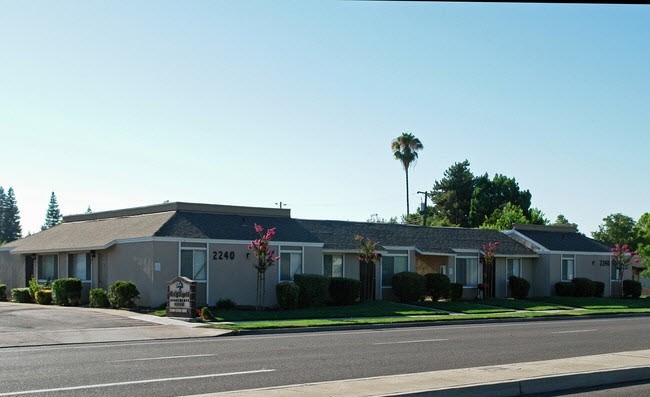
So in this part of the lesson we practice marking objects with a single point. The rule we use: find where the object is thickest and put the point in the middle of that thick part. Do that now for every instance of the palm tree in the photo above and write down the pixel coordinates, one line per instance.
(405, 149)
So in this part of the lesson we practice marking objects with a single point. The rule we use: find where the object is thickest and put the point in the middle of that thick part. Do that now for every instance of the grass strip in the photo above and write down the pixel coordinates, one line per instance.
(463, 307)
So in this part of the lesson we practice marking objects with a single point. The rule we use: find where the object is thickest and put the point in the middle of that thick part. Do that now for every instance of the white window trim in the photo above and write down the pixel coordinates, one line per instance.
(322, 271)
(207, 264)
(611, 265)
(573, 258)
(381, 272)
(302, 261)
(479, 270)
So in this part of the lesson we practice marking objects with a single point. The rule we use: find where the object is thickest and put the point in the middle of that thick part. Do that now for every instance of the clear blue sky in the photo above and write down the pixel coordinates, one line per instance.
(116, 104)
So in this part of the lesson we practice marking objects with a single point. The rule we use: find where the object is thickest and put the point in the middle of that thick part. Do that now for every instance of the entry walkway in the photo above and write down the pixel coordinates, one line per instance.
(507, 380)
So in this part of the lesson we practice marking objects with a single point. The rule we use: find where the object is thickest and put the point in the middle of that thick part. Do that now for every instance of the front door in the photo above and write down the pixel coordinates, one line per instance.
(102, 273)
(29, 269)
(367, 278)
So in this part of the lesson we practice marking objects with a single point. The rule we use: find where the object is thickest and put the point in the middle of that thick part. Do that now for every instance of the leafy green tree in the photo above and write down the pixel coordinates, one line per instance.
(11, 229)
(489, 195)
(561, 220)
(375, 218)
(642, 236)
(537, 217)
(53, 215)
(617, 229)
(504, 218)
(405, 149)
(452, 195)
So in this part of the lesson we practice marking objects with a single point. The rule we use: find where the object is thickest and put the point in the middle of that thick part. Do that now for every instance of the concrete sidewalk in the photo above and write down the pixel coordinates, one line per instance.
(496, 380)
(24, 324)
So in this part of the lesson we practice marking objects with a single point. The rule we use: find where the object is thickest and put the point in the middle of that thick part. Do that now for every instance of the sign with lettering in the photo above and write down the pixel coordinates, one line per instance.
(181, 297)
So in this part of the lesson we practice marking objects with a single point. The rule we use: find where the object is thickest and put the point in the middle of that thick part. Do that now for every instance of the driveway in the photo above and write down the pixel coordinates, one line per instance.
(23, 324)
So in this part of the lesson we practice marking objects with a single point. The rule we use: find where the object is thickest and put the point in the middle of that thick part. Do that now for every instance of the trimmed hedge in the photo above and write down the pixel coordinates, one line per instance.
(437, 286)
(519, 287)
(225, 304)
(456, 291)
(99, 298)
(288, 294)
(565, 288)
(123, 294)
(43, 296)
(3, 292)
(344, 291)
(21, 295)
(409, 286)
(313, 289)
(632, 288)
(67, 291)
(599, 289)
(584, 287)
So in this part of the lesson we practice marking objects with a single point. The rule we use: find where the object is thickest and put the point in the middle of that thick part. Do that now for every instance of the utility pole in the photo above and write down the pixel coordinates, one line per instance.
(424, 211)
(281, 204)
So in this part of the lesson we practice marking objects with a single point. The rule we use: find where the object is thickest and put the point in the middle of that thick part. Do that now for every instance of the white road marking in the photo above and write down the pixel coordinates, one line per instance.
(160, 358)
(134, 382)
(410, 341)
(574, 331)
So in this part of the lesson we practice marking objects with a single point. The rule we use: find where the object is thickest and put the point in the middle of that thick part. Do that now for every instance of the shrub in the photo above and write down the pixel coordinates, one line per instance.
(3, 292)
(67, 291)
(206, 314)
(313, 289)
(288, 294)
(583, 287)
(599, 289)
(632, 288)
(123, 294)
(43, 296)
(519, 287)
(98, 298)
(437, 286)
(344, 291)
(21, 295)
(225, 304)
(456, 291)
(34, 286)
(409, 286)
(565, 288)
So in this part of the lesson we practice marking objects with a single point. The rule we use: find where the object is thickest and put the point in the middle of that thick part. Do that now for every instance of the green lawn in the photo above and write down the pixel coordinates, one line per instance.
(597, 303)
(464, 307)
(370, 309)
(521, 304)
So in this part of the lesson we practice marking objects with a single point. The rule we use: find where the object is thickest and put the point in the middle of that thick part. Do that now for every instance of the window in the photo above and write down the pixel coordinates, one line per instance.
(79, 266)
(391, 265)
(290, 264)
(614, 273)
(513, 268)
(193, 264)
(333, 265)
(568, 268)
(443, 269)
(47, 268)
(468, 272)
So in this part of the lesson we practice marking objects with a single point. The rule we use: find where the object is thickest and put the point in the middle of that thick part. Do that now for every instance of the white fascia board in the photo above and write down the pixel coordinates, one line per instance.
(335, 251)
(57, 250)
(579, 253)
(2, 249)
(466, 251)
(434, 253)
(540, 249)
(516, 256)
(397, 248)
(210, 241)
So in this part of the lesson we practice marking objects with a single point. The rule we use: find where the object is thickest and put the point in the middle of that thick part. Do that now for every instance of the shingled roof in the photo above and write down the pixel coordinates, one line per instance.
(441, 240)
(562, 238)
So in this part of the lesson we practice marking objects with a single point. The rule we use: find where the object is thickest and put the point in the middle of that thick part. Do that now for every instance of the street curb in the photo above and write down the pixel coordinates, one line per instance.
(534, 386)
(327, 328)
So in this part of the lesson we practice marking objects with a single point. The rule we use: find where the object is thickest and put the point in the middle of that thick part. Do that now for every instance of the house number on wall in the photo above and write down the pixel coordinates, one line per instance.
(223, 255)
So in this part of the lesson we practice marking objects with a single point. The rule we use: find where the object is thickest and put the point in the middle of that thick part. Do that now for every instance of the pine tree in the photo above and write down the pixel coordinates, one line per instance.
(53, 215)
(11, 229)
(3, 200)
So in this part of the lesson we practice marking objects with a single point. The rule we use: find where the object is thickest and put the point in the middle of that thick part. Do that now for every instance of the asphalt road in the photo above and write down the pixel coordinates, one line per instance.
(185, 367)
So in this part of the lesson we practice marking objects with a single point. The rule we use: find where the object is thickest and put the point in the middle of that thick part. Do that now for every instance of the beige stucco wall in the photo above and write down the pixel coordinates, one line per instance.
(12, 271)
(237, 279)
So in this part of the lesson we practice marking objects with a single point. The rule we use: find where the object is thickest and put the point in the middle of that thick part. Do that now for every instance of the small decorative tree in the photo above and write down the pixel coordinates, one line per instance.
(265, 259)
(622, 257)
(367, 260)
(489, 252)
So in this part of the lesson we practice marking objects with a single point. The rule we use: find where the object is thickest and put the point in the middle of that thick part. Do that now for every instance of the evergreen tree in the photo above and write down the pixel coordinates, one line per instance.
(3, 200)
(452, 195)
(11, 229)
(53, 215)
